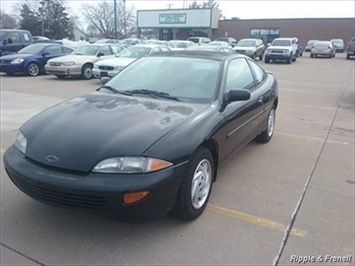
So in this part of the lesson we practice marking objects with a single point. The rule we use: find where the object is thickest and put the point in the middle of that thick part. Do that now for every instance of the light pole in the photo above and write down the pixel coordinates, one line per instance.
(42, 16)
(124, 19)
(115, 15)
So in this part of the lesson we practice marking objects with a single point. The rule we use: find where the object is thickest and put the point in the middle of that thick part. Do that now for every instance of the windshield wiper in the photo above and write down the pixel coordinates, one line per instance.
(154, 94)
(115, 91)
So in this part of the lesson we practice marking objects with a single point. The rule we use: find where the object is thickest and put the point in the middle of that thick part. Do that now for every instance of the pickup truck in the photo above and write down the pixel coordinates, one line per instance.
(14, 40)
(351, 49)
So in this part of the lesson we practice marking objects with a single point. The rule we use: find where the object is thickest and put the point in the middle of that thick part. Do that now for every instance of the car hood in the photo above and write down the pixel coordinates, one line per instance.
(85, 130)
(244, 48)
(280, 47)
(117, 61)
(14, 56)
(79, 59)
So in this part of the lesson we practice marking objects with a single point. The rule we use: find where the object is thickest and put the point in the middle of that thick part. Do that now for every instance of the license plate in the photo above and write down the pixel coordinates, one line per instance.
(103, 74)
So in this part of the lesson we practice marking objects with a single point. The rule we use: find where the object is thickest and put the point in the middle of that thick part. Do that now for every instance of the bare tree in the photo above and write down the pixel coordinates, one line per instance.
(7, 21)
(101, 16)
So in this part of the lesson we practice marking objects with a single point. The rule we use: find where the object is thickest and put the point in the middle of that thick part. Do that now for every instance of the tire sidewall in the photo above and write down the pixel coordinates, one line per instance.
(28, 69)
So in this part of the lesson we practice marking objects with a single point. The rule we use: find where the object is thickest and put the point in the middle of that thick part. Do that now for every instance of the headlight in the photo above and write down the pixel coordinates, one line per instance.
(130, 165)
(71, 63)
(119, 67)
(20, 142)
(268, 50)
(17, 61)
(286, 51)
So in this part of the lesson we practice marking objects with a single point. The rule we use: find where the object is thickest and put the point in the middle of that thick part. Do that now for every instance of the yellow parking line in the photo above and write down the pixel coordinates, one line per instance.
(255, 220)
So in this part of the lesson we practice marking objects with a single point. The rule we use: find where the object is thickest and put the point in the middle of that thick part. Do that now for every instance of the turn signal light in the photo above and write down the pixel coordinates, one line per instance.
(130, 198)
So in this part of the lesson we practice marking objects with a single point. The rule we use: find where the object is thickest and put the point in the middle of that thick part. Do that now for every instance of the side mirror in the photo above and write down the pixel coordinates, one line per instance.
(100, 54)
(44, 54)
(237, 95)
(104, 80)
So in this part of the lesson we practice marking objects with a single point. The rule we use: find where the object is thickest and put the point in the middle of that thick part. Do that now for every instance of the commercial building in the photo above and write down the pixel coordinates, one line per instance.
(183, 23)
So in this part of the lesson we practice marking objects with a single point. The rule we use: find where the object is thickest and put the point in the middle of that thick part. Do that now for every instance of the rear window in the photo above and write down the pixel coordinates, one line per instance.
(321, 45)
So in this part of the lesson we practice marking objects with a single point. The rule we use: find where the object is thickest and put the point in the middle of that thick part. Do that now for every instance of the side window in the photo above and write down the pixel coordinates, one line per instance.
(105, 50)
(239, 75)
(116, 49)
(13, 37)
(155, 50)
(258, 71)
(26, 37)
(53, 50)
(66, 50)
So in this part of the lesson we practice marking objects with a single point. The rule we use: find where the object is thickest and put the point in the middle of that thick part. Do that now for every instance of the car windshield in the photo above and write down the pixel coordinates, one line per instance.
(281, 43)
(311, 42)
(31, 49)
(338, 41)
(134, 52)
(246, 43)
(217, 43)
(195, 40)
(321, 45)
(87, 50)
(127, 41)
(188, 79)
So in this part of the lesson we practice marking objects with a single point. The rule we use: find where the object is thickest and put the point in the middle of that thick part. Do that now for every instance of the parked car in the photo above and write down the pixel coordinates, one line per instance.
(179, 45)
(220, 43)
(338, 44)
(210, 48)
(14, 40)
(111, 67)
(159, 42)
(323, 48)
(148, 142)
(309, 45)
(38, 39)
(130, 41)
(108, 41)
(284, 49)
(81, 61)
(199, 40)
(251, 47)
(32, 59)
(350, 51)
(231, 41)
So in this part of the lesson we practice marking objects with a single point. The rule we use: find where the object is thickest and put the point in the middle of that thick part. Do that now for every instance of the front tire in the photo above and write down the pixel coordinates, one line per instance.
(32, 69)
(196, 186)
(267, 134)
(86, 71)
(267, 60)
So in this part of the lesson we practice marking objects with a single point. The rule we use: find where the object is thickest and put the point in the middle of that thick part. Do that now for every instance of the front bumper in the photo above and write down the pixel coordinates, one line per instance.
(63, 70)
(12, 68)
(278, 56)
(95, 192)
(98, 73)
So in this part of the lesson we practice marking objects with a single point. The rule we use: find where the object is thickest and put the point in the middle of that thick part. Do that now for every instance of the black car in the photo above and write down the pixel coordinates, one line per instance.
(149, 141)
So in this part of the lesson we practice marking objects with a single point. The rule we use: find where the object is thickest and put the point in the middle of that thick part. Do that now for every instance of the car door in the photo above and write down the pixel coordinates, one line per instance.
(105, 52)
(12, 42)
(50, 52)
(241, 119)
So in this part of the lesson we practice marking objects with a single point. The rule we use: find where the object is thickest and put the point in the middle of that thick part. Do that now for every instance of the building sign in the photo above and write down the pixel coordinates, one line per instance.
(172, 18)
(265, 32)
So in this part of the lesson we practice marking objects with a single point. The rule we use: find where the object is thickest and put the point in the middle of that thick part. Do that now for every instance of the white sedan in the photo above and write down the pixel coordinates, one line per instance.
(111, 67)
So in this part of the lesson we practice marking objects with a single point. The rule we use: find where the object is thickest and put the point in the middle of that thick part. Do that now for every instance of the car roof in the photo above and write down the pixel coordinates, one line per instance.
(13, 30)
(147, 45)
(221, 56)
(288, 39)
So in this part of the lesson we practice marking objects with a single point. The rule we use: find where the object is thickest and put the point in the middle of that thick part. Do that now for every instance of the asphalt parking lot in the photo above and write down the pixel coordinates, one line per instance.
(282, 203)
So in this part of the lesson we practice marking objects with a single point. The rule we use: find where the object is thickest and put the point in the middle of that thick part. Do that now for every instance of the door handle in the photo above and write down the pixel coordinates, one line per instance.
(261, 99)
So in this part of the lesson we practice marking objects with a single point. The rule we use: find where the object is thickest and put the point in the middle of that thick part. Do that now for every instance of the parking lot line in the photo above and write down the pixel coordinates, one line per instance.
(310, 106)
(310, 138)
(255, 220)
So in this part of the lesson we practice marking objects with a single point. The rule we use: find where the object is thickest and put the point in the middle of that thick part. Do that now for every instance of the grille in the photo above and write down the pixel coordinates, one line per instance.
(241, 51)
(55, 64)
(105, 68)
(55, 197)
(277, 51)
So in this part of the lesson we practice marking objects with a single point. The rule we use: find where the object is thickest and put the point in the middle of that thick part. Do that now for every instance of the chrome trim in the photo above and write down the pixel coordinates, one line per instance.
(242, 125)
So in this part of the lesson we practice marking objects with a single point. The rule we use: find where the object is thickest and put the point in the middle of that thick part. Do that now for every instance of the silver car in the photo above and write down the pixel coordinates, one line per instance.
(111, 67)
(338, 44)
(323, 48)
(251, 47)
(309, 45)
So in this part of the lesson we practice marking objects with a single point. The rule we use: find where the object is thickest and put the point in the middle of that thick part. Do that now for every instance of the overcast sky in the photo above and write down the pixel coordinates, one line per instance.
(242, 9)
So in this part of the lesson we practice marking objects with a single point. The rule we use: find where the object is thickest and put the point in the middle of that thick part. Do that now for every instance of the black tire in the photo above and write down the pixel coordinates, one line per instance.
(32, 69)
(294, 59)
(189, 207)
(311, 55)
(60, 76)
(266, 135)
(267, 60)
(253, 57)
(289, 60)
(347, 56)
(261, 56)
(86, 71)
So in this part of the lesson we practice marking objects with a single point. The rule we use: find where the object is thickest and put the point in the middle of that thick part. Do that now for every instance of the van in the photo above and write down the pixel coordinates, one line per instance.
(199, 40)
(14, 40)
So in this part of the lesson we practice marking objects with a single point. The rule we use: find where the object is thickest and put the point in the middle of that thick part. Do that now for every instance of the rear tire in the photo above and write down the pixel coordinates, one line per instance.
(196, 185)
(347, 56)
(267, 60)
(267, 134)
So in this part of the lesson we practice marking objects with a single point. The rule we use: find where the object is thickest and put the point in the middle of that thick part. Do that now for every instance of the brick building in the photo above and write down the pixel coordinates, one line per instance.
(304, 28)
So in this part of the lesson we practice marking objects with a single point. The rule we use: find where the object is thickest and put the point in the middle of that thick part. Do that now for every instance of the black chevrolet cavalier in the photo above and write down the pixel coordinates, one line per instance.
(150, 140)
